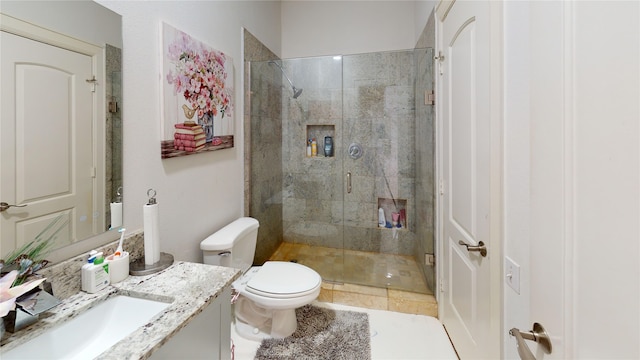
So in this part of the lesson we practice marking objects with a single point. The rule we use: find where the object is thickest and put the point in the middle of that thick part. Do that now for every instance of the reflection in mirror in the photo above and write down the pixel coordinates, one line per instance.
(62, 136)
(113, 156)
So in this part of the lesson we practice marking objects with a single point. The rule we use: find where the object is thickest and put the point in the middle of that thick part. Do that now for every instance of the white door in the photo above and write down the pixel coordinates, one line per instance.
(469, 299)
(46, 137)
(585, 179)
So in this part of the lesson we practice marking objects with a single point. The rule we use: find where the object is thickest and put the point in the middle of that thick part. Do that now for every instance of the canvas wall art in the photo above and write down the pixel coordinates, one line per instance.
(197, 86)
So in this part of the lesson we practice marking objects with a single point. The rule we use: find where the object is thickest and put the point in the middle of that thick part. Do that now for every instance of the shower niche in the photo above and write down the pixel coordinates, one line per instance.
(320, 132)
(395, 213)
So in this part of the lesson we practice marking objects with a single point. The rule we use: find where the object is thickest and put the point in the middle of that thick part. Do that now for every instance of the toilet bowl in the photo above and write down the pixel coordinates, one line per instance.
(268, 294)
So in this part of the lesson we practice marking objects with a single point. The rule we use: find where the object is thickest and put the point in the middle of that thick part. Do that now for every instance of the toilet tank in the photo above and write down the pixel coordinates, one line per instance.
(232, 246)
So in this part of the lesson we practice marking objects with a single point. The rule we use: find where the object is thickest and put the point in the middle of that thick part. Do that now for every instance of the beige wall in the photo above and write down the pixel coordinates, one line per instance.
(313, 28)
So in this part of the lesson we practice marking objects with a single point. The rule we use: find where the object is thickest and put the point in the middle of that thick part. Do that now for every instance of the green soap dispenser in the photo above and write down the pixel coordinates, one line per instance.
(95, 276)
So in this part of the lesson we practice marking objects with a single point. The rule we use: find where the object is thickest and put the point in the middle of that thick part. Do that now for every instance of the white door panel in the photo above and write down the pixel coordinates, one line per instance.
(469, 307)
(461, 134)
(47, 159)
(48, 132)
(462, 297)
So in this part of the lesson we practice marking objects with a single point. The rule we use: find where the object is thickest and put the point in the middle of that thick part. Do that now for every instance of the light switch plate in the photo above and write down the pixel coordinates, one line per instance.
(512, 274)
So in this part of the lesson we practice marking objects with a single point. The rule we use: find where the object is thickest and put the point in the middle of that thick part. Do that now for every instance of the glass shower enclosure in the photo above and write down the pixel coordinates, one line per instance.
(348, 172)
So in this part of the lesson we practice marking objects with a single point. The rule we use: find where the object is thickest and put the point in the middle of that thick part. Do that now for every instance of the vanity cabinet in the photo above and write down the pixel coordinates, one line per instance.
(207, 336)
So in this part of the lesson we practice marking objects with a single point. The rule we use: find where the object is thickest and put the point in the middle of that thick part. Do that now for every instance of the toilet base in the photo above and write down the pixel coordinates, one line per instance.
(251, 332)
(256, 323)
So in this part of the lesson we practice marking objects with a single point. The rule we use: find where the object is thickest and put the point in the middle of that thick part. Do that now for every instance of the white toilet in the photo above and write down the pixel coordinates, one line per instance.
(269, 294)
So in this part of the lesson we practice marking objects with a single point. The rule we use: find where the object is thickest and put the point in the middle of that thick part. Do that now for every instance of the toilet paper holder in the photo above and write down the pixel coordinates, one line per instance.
(160, 260)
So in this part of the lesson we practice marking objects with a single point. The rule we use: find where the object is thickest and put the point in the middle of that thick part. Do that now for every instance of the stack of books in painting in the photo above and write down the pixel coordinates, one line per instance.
(189, 137)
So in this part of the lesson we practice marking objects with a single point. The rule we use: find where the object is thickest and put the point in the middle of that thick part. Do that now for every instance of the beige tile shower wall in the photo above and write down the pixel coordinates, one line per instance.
(378, 113)
(263, 141)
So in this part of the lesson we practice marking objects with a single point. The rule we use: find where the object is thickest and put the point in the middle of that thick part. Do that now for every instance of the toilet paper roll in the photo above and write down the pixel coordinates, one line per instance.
(116, 215)
(151, 234)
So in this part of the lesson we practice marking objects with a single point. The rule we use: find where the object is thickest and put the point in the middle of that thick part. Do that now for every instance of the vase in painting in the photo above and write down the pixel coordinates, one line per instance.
(207, 125)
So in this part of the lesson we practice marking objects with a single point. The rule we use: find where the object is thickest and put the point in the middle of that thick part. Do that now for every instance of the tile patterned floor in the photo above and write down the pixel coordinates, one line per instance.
(363, 279)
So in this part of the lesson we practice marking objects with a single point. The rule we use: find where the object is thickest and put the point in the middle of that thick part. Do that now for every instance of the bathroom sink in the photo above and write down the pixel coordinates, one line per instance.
(90, 333)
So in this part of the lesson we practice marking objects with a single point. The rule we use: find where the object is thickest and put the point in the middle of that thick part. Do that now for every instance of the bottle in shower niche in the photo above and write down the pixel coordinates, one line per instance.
(309, 148)
(328, 146)
(382, 222)
(314, 147)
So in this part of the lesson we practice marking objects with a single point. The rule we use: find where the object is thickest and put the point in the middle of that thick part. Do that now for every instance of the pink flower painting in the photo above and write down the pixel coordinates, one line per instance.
(197, 88)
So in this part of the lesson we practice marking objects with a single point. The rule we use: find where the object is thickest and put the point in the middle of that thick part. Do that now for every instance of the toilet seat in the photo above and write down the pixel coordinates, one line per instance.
(283, 280)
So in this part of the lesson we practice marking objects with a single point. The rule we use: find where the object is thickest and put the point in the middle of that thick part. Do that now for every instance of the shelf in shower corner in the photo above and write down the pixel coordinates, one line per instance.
(398, 229)
(395, 210)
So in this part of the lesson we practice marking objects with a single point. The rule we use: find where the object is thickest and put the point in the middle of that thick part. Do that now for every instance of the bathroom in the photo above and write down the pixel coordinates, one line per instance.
(218, 177)
(223, 173)
(204, 191)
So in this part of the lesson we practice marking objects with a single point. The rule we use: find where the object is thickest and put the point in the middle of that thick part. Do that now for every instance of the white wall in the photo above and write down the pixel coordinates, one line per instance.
(605, 174)
(197, 194)
(579, 175)
(516, 165)
(315, 28)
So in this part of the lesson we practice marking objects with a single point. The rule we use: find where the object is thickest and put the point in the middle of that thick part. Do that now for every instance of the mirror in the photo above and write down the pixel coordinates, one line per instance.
(61, 67)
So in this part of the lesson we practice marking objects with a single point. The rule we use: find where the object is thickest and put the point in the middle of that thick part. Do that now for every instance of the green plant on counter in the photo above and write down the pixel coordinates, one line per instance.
(18, 273)
(30, 257)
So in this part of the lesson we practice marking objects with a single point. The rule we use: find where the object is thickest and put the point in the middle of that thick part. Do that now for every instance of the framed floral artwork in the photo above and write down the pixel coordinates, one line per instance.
(197, 94)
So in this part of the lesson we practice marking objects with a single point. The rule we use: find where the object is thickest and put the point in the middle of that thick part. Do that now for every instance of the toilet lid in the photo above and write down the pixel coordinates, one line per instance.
(283, 279)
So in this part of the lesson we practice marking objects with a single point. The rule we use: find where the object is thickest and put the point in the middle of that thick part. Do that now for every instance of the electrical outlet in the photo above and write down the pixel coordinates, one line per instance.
(512, 274)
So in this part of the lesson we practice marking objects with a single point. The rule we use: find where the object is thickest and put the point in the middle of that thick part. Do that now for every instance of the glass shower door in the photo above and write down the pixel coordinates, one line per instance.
(379, 118)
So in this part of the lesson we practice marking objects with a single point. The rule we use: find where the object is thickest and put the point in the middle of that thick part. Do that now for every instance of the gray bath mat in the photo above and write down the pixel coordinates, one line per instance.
(322, 334)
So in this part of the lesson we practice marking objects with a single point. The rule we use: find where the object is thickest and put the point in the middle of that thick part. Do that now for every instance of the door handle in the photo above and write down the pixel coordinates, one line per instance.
(479, 248)
(4, 206)
(349, 182)
(538, 334)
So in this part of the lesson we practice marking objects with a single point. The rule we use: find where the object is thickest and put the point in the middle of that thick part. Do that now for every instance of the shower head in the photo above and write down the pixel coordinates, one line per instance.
(296, 91)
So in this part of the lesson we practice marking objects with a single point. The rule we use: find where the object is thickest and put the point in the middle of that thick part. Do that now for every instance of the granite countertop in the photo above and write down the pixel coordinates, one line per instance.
(188, 287)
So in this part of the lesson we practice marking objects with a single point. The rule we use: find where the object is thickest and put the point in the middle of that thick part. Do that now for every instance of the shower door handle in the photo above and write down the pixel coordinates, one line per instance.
(480, 248)
(349, 183)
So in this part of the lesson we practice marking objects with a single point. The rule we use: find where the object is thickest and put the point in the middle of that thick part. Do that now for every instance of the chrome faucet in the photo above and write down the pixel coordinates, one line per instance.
(29, 306)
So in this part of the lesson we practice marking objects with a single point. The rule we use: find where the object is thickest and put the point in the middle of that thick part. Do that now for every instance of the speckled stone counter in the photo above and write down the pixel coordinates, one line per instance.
(188, 287)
